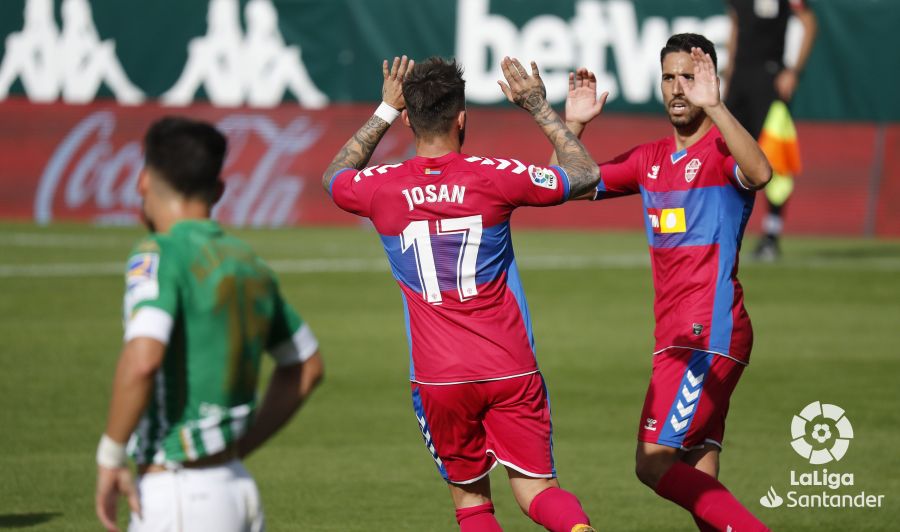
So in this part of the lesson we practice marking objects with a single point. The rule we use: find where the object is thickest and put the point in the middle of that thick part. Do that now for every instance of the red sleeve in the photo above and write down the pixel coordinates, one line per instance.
(730, 167)
(352, 190)
(524, 185)
(620, 176)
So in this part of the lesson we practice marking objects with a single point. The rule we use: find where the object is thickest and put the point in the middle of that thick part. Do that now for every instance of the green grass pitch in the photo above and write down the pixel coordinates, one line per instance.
(827, 323)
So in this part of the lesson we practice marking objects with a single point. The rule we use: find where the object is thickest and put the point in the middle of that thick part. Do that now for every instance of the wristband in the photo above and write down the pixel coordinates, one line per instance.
(386, 112)
(110, 454)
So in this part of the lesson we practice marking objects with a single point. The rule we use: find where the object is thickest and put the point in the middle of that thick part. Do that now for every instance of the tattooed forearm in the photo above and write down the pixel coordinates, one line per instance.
(583, 172)
(358, 150)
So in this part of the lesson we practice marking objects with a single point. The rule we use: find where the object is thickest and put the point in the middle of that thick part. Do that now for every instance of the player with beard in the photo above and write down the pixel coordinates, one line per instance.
(200, 309)
(697, 192)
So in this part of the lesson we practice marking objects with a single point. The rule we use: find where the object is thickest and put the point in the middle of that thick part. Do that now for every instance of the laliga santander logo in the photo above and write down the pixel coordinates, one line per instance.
(821, 433)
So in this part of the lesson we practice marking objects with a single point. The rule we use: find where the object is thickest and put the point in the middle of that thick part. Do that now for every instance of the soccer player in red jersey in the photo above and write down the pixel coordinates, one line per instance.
(443, 218)
(697, 188)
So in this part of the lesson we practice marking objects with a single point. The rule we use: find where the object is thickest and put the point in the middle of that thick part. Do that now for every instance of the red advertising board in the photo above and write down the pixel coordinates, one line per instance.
(65, 162)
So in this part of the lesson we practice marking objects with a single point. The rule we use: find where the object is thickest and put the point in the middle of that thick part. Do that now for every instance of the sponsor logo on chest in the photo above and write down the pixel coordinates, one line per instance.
(667, 220)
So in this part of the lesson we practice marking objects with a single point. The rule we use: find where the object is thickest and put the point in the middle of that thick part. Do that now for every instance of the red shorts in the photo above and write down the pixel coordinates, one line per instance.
(687, 399)
(470, 427)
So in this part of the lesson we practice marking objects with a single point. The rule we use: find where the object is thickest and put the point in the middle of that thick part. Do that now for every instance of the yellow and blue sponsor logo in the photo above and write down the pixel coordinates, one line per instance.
(667, 221)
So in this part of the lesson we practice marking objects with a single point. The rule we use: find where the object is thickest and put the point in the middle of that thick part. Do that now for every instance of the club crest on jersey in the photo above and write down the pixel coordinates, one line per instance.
(654, 172)
(667, 220)
(691, 170)
(542, 177)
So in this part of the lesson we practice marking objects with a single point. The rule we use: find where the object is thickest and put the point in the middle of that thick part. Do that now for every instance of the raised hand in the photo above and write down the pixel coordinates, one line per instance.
(526, 91)
(703, 90)
(392, 90)
(582, 104)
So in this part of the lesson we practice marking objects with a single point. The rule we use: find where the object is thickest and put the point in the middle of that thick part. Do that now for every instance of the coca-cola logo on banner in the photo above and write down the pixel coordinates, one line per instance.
(94, 173)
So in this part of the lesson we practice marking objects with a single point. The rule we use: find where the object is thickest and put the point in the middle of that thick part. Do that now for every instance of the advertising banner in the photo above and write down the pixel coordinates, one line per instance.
(65, 162)
(259, 53)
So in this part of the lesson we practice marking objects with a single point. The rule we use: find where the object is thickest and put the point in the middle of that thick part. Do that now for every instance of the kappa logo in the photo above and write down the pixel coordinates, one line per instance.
(691, 170)
(235, 67)
(821, 433)
(542, 177)
(73, 63)
(654, 171)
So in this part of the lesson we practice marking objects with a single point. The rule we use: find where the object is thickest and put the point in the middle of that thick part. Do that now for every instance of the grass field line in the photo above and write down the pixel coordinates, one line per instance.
(536, 262)
(322, 265)
(59, 240)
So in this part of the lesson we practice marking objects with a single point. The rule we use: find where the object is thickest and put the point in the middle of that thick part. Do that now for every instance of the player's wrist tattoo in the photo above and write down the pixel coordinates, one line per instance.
(572, 156)
(358, 150)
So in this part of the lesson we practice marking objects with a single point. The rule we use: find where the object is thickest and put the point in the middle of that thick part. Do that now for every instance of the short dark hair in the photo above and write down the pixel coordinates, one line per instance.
(683, 42)
(188, 155)
(435, 92)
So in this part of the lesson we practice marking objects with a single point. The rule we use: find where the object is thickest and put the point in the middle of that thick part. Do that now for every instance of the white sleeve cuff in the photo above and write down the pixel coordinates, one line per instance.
(737, 177)
(299, 348)
(150, 322)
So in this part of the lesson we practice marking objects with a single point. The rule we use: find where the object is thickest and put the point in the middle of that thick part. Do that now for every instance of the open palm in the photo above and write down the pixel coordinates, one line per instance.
(703, 90)
(582, 104)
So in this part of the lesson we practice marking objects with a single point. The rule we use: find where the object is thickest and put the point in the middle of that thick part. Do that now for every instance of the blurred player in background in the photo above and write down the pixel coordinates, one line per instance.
(200, 308)
(697, 192)
(443, 218)
(760, 86)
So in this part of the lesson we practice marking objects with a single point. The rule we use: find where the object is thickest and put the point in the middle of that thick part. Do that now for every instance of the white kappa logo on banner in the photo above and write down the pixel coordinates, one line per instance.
(256, 68)
(690, 171)
(821, 433)
(74, 63)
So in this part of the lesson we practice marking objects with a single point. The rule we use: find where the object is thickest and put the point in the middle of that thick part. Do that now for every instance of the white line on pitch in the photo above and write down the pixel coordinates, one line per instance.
(536, 262)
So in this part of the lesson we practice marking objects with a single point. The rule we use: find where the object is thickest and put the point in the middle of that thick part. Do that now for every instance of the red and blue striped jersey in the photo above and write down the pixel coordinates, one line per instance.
(695, 211)
(444, 225)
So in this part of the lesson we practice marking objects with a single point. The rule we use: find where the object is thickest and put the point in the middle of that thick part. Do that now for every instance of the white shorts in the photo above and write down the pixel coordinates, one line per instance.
(221, 498)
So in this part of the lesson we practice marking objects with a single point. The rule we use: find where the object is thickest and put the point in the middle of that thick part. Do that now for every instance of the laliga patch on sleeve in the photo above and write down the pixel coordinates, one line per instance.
(542, 177)
(141, 279)
(142, 267)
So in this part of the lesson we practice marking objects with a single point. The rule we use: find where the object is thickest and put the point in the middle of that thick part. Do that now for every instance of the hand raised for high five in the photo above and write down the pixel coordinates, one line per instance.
(582, 104)
(392, 90)
(526, 91)
(703, 91)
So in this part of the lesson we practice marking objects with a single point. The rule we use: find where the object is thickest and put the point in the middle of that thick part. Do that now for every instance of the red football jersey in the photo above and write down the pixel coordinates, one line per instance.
(695, 212)
(444, 224)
